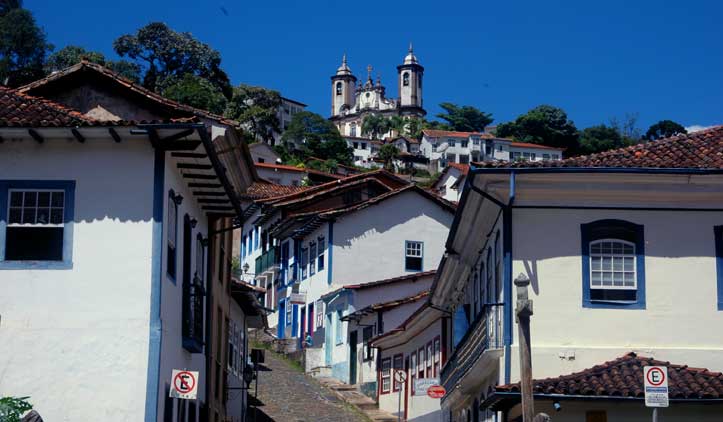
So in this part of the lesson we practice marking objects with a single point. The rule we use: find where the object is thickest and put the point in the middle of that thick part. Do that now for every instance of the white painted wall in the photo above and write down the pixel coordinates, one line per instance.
(281, 176)
(90, 324)
(369, 244)
(445, 185)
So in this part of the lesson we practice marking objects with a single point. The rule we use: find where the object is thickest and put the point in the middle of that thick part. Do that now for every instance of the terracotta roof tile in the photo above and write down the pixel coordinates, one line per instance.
(433, 133)
(21, 110)
(263, 189)
(280, 167)
(530, 145)
(623, 377)
(698, 150)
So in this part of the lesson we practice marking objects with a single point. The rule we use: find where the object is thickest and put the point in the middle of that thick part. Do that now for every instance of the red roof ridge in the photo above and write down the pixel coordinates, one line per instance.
(280, 166)
(19, 109)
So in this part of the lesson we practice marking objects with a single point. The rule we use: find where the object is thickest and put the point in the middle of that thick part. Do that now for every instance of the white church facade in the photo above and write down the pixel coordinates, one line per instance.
(352, 100)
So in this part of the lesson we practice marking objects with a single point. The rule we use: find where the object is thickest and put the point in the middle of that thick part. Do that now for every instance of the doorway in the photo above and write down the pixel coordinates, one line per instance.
(352, 357)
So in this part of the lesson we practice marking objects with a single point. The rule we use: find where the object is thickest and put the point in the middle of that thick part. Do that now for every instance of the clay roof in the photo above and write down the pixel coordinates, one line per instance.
(464, 168)
(264, 189)
(84, 67)
(385, 306)
(383, 282)
(698, 150)
(623, 378)
(536, 146)
(21, 110)
(280, 167)
(433, 133)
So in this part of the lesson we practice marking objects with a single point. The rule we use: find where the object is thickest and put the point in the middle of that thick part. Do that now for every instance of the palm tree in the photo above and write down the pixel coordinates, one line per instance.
(387, 153)
(398, 124)
(375, 125)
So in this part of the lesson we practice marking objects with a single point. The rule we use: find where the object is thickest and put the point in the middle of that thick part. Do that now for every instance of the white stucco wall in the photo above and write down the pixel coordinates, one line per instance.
(369, 244)
(281, 176)
(445, 184)
(76, 341)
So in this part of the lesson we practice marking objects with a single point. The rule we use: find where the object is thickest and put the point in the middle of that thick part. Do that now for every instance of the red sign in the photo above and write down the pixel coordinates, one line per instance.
(655, 376)
(436, 391)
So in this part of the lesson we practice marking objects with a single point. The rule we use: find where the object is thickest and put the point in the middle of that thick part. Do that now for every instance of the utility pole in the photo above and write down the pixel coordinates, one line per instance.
(523, 314)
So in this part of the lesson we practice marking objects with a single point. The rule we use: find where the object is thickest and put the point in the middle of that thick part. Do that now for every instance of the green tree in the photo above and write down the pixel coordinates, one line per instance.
(464, 118)
(664, 129)
(398, 124)
(256, 109)
(12, 408)
(414, 127)
(544, 125)
(601, 138)
(165, 53)
(375, 125)
(126, 69)
(387, 153)
(72, 54)
(23, 47)
(7, 5)
(310, 134)
(195, 91)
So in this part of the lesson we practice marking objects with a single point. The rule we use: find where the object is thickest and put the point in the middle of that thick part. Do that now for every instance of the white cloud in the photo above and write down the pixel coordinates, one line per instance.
(696, 128)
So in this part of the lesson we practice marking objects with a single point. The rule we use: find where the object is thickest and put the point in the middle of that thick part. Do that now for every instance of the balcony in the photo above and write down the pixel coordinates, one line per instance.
(480, 347)
(268, 261)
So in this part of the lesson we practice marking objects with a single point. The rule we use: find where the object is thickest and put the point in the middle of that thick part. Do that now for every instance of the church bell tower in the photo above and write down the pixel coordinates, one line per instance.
(343, 84)
(410, 81)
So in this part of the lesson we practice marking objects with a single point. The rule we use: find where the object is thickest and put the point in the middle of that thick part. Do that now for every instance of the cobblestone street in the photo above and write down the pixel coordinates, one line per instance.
(288, 395)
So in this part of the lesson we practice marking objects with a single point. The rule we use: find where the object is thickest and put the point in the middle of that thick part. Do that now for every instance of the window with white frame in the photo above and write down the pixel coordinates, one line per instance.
(612, 264)
(464, 143)
(413, 256)
(386, 374)
(322, 249)
(319, 313)
(420, 363)
(35, 225)
(437, 356)
(312, 258)
(304, 262)
(428, 359)
(450, 142)
(413, 368)
(289, 312)
(367, 335)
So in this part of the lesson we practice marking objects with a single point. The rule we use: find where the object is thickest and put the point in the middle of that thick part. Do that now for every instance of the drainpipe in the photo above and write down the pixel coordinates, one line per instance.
(507, 279)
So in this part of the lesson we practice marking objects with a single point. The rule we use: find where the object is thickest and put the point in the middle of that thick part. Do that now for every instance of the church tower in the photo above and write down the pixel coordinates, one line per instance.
(343, 84)
(410, 81)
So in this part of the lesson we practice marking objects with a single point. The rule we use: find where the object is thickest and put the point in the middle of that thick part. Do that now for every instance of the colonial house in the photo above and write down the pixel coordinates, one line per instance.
(443, 147)
(261, 152)
(110, 248)
(370, 309)
(623, 275)
(416, 347)
(450, 181)
(282, 174)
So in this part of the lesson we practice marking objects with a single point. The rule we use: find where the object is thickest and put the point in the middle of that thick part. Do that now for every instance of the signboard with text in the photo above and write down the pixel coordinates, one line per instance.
(421, 385)
(184, 384)
(298, 298)
(655, 379)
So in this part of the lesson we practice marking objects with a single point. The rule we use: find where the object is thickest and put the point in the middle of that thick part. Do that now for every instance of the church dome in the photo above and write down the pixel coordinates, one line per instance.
(344, 68)
(411, 58)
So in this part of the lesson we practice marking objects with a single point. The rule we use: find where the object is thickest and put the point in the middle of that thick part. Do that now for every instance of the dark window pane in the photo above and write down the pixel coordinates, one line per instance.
(414, 264)
(56, 216)
(15, 215)
(613, 294)
(43, 216)
(43, 199)
(16, 199)
(29, 216)
(58, 199)
(31, 199)
(34, 244)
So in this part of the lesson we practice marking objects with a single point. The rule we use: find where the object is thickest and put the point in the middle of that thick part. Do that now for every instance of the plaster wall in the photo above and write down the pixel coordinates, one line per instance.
(281, 176)
(76, 340)
(369, 244)
(446, 183)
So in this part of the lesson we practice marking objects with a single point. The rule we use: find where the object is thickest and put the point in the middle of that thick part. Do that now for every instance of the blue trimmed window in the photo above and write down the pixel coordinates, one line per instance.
(171, 235)
(413, 255)
(312, 258)
(36, 224)
(289, 312)
(613, 264)
(322, 249)
(243, 247)
(304, 262)
(718, 233)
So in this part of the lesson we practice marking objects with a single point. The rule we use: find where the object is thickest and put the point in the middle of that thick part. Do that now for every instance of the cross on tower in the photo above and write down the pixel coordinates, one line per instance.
(369, 72)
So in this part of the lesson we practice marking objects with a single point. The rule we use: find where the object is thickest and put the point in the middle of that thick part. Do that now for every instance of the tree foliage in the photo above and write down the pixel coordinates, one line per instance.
(72, 54)
(23, 47)
(664, 129)
(387, 153)
(165, 53)
(7, 5)
(12, 408)
(601, 138)
(464, 118)
(544, 125)
(375, 125)
(256, 109)
(195, 91)
(310, 134)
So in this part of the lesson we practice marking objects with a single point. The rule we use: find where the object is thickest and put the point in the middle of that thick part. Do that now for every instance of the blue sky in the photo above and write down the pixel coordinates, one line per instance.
(597, 60)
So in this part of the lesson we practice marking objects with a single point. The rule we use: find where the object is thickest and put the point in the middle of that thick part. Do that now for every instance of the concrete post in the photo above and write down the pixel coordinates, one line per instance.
(523, 314)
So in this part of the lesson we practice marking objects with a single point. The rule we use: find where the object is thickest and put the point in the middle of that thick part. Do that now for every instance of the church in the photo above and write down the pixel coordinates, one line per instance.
(352, 101)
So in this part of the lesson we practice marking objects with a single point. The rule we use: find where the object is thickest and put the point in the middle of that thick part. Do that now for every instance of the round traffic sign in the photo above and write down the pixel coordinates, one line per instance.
(655, 376)
(400, 376)
(184, 382)
(436, 391)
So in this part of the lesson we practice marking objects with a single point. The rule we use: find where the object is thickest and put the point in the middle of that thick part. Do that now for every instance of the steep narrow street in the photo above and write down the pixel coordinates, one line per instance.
(288, 395)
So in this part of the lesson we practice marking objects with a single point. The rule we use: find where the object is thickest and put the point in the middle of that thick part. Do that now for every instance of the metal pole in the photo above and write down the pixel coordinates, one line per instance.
(399, 405)
(524, 311)
(256, 392)
(655, 414)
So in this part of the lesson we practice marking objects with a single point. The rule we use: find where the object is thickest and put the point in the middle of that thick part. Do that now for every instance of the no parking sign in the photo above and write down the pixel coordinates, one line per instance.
(184, 384)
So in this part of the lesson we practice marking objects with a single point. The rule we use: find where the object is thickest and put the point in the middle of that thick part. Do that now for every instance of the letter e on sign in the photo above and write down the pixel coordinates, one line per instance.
(655, 380)
(184, 384)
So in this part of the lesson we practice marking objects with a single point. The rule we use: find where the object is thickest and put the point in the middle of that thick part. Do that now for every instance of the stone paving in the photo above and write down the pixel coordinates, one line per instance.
(288, 395)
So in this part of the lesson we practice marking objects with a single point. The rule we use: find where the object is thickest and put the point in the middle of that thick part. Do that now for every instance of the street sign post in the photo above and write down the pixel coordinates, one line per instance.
(400, 377)
(655, 380)
(184, 384)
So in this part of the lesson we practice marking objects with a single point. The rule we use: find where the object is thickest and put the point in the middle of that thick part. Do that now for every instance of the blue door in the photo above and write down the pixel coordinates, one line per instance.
(328, 340)
(282, 319)
(294, 320)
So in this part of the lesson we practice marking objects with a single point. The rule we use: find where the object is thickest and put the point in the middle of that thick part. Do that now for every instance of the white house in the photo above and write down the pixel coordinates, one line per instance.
(623, 250)
(109, 240)
(417, 348)
(450, 181)
(443, 147)
(261, 152)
